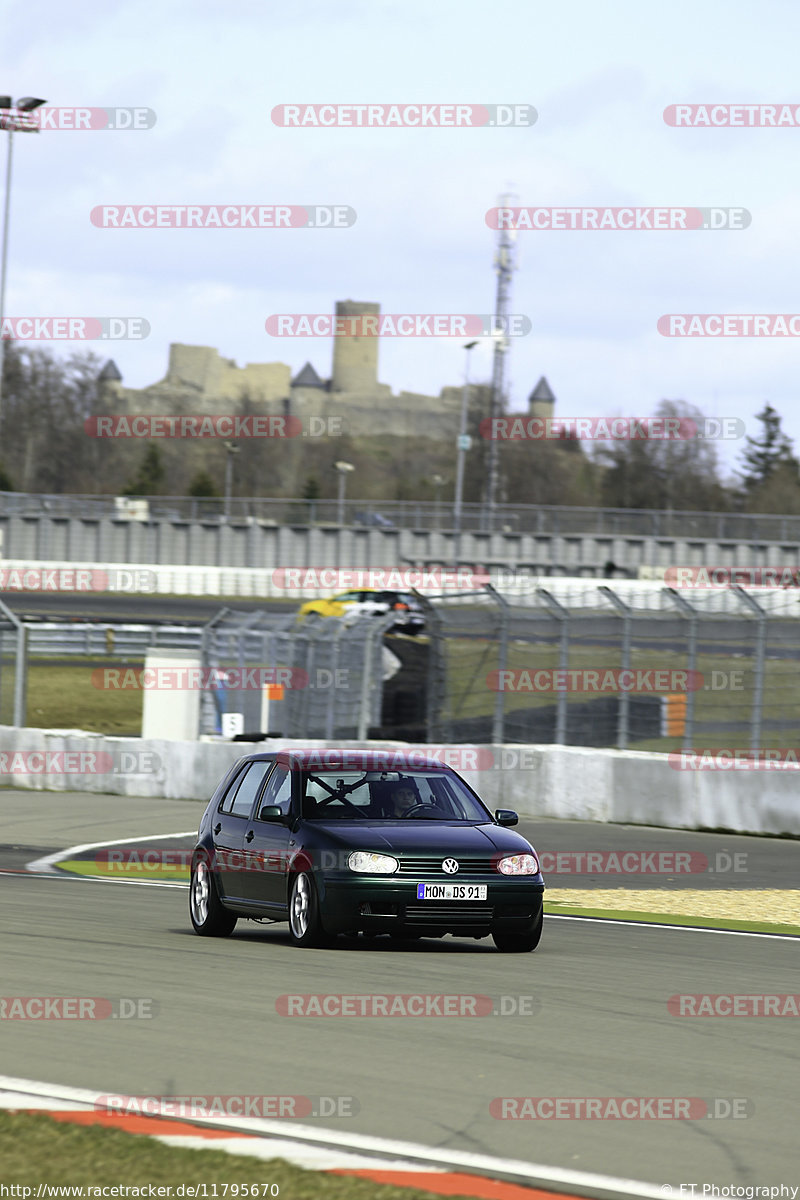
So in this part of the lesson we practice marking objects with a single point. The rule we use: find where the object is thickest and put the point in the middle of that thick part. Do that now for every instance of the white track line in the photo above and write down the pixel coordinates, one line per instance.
(45, 865)
(781, 937)
(380, 1148)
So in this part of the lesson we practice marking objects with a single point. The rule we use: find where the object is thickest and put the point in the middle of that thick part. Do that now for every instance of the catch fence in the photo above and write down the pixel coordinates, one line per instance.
(600, 669)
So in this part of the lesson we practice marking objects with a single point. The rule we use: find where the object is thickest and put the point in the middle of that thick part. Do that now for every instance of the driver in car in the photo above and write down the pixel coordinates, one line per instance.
(404, 797)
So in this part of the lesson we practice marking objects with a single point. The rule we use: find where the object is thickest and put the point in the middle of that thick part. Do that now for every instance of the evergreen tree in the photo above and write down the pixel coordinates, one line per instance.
(150, 475)
(768, 453)
(203, 485)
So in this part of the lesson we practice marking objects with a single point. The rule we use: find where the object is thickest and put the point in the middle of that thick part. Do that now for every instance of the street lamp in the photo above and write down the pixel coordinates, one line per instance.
(13, 117)
(232, 449)
(343, 469)
(437, 481)
(464, 443)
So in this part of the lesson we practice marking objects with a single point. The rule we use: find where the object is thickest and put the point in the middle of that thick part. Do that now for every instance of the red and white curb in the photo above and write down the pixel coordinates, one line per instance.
(383, 1160)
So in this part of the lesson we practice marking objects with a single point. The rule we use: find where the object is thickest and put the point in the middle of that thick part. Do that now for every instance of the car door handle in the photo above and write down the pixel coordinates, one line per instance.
(217, 827)
(248, 837)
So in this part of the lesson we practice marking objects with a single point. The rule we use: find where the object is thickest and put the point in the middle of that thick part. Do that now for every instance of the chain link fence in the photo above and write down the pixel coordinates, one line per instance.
(319, 678)
(601, 671)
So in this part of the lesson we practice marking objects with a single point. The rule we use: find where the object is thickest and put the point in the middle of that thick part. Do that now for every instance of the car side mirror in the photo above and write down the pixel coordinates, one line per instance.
(271, 812)
(506, 816)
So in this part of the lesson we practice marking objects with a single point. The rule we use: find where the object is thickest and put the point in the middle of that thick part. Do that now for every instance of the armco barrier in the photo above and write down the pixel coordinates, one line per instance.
(624, 787)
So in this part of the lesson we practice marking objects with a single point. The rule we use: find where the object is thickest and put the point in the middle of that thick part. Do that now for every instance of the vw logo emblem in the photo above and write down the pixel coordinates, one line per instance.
(450, 866)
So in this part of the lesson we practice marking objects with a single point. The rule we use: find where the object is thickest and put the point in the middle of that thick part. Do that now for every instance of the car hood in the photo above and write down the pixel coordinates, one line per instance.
(422, 837)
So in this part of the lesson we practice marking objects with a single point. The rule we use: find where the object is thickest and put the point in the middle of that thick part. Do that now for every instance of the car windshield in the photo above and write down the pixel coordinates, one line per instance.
(372, 796)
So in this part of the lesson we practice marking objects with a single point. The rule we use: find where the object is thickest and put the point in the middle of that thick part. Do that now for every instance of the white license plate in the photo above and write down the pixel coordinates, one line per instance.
(451, 891)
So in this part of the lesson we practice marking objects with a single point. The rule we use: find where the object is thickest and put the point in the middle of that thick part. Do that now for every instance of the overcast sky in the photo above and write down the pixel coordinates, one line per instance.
(599, 76)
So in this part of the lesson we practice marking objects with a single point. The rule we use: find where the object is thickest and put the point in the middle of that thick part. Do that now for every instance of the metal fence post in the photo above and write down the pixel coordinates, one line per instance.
(758, 683)
(333, 702)
(623, 711)
(21, 677)
(20, 665)
(498, 720)
(561, 615)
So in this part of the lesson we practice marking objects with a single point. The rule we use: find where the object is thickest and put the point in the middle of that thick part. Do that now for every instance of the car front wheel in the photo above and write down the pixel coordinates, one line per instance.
(305, 927)
(208, 916)
(513, 941)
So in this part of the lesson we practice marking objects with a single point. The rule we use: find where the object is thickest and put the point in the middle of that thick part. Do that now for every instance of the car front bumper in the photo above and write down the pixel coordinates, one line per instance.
(386, 905)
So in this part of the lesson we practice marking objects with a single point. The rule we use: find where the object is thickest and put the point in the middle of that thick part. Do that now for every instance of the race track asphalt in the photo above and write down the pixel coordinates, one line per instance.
(597, 995)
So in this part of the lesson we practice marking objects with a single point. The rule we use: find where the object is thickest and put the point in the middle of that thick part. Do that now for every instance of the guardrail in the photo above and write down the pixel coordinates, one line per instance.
(518, 582)
(107, 639)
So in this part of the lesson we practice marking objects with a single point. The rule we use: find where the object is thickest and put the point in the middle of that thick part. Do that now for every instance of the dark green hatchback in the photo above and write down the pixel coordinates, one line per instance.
(353, 841)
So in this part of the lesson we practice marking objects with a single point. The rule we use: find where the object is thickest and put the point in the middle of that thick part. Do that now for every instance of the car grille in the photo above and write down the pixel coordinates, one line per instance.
(457, 913)
(431, 868)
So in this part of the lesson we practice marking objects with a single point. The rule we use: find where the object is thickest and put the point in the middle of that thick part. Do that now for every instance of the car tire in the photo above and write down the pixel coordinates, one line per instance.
(208, 915)
(513, 941)
(305, 926)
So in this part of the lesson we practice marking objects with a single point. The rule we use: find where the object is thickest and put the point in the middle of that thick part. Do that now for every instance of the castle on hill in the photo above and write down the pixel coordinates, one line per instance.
(199, 380)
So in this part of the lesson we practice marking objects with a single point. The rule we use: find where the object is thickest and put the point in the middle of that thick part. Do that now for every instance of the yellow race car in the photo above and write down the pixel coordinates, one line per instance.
(369, 602)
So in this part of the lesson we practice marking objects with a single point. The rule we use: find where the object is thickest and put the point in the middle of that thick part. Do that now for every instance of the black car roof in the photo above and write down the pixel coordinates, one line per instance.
(325, 758)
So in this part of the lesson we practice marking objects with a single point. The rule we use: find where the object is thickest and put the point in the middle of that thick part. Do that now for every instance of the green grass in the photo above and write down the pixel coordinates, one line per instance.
(64, 697)
(157, 872)
(686, 919)
(36, 1149)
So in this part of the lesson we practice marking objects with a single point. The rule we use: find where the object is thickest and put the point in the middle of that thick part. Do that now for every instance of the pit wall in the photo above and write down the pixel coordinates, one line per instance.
(624, 787)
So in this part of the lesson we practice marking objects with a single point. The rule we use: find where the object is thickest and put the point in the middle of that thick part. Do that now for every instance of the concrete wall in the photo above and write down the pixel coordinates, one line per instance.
(626, 787)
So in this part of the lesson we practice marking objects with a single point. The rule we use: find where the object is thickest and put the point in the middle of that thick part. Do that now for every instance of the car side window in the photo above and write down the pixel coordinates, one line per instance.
(278, 790)
(249, 788)
(226, 803)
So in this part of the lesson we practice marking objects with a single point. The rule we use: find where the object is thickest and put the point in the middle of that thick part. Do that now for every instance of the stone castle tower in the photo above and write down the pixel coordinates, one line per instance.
(355, 359)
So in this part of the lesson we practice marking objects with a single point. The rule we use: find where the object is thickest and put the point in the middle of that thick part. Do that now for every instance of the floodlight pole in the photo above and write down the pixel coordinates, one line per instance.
(4, 265)
(19, 119)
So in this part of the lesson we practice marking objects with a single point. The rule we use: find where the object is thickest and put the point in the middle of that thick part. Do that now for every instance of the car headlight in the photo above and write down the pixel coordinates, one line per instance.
(365, 863)
(519, 864)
